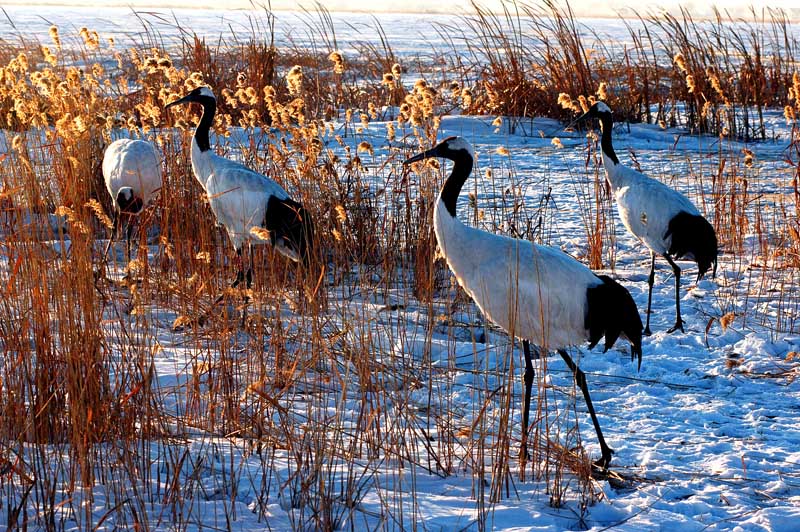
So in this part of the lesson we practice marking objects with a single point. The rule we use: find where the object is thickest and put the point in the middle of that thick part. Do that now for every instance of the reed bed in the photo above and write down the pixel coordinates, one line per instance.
(84, 399)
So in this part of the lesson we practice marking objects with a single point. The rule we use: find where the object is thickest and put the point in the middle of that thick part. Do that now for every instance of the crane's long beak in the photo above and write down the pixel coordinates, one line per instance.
(421, 156)
(185, 99)
(581, 118)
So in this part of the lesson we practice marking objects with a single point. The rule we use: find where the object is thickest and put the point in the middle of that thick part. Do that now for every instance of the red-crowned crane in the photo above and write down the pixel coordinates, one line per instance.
(132, 172)
(662, 218)
(537, 293)
(242, 199)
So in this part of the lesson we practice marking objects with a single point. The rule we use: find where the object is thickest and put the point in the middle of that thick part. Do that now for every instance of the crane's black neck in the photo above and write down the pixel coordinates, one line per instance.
(201, 133)
(462, 167)
(606, 124)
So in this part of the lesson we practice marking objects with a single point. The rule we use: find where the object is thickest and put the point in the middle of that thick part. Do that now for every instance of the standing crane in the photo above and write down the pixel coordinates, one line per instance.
(537, 293)
(132, 173)
(662, 218)
(243, 199)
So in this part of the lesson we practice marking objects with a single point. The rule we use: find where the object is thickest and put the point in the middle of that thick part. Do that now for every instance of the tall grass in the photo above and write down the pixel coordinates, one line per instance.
(713, 76)
(83, 402)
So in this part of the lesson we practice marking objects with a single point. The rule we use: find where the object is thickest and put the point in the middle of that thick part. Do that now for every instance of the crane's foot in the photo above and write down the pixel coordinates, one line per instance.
(647, 331)
(602, 463)
(678, 325)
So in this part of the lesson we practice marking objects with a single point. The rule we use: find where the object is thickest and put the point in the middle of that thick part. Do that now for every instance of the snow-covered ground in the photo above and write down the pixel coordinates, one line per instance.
(705, 435)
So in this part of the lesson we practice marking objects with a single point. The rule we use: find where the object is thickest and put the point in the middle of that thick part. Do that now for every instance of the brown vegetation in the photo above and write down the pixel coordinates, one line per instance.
(78, 374)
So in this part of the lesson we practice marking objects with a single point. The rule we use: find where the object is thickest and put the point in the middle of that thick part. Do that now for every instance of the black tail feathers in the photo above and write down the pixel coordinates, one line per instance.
(289, 221)
(611, 311)
(693, 237)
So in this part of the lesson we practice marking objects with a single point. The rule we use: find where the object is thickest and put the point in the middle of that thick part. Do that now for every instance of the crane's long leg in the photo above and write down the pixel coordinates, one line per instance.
(248, 283)
(240, 271)
(650, 280)
(580, 380)
(249, 274)
(239, 276)
(678, 320)
(128, 234)
(114, 230)
(528, 380)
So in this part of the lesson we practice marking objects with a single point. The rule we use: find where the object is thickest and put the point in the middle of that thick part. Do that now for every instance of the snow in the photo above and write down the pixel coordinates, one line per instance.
(705, 435)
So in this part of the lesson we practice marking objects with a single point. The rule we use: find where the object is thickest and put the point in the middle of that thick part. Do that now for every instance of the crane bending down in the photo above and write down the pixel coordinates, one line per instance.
(537, 293)
(663, 218)
(132, 173)
(243, 199)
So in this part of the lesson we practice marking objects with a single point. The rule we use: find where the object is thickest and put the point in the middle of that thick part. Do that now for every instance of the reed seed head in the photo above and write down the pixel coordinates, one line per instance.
(602, 91)
(337, 59)
(294, 80)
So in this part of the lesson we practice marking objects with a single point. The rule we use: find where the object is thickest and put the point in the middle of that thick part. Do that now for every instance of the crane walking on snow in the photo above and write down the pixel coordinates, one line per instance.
(537, 293)
(663, 218)
(243, 199)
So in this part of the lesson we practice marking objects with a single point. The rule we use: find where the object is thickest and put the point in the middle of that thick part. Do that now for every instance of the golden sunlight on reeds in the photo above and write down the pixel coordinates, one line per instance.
(263, 370)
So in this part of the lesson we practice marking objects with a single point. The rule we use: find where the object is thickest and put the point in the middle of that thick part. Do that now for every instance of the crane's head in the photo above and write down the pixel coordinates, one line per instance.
(127, 201)
(598, 110)
(201, 95)
(612, 312)
(451, 148)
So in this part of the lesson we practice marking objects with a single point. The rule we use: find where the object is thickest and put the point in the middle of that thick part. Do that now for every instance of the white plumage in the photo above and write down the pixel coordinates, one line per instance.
(504, 275)
(537, 293)
(132, 173)
(645, 205)
(239, 197)
(662, 218)
(242, 199)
